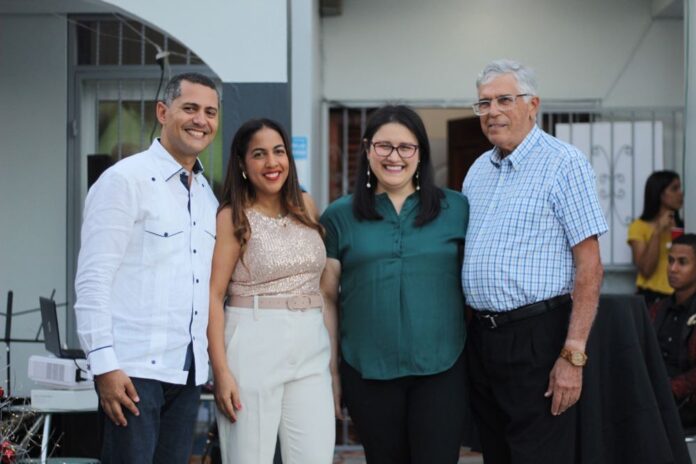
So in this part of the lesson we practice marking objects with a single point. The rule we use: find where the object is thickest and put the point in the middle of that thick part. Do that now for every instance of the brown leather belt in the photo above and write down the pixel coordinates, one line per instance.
(493, 320)
(291, 303)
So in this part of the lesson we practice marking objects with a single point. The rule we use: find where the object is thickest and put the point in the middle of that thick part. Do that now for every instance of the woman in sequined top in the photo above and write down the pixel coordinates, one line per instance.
(271, 355)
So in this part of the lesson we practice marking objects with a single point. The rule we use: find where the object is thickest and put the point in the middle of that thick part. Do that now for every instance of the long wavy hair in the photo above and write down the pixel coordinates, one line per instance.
(239, 193)
(430, 195)
(657, 183)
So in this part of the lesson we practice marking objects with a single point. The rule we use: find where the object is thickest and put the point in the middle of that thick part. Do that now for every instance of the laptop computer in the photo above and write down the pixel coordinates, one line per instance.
(49, 322)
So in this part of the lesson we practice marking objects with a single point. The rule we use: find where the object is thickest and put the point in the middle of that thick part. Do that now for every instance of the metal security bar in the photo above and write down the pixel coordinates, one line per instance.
(624, 147)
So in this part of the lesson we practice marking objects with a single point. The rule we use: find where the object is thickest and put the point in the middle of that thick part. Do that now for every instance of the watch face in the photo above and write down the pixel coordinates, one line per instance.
(577, 358)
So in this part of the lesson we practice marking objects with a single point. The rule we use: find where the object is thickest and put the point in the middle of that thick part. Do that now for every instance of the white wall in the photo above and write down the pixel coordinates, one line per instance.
(33, 125)
(414, 50)
(654, 74)
(241, 40)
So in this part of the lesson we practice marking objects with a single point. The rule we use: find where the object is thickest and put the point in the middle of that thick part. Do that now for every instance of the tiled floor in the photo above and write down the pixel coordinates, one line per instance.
(358, 457)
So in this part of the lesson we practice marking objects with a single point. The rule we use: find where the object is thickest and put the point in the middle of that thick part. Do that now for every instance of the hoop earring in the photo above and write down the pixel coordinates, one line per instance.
(244, 175)
(418, 180)
(368, 185)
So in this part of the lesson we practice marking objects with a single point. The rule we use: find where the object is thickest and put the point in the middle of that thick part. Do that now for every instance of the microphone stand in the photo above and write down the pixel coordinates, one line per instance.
(8, 333)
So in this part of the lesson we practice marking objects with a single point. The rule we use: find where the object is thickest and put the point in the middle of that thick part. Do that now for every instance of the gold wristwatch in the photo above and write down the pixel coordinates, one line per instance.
(576, 358)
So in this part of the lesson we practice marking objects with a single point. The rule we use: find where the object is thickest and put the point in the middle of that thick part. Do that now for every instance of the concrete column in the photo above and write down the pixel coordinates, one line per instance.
(306, 87)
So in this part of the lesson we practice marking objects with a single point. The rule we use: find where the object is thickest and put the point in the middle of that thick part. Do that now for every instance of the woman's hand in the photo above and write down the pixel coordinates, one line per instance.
(227, 395)
(336, 387)
(330, 280)
(666, 221)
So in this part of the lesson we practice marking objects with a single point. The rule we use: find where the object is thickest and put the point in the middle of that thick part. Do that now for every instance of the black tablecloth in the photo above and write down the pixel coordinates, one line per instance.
(627, 414)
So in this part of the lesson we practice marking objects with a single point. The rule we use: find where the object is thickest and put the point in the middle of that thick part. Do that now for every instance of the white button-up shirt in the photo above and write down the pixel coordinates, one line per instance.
(144, 269)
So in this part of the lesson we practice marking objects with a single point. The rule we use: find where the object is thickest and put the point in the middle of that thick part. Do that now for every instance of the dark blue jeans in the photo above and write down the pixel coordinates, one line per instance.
(162, 434)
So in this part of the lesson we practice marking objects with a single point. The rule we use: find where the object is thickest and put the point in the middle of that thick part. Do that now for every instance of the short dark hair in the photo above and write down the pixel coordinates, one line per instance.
(430, 194)
(173, 89)
(686, 239)
(657, 183)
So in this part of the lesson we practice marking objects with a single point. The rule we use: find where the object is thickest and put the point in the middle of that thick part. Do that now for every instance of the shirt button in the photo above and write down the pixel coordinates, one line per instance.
(669, 339)
(195, 313)
(194, 223)
(153, 362)
(675, 318)
(166, 234)
(194, 250)
(196, 280)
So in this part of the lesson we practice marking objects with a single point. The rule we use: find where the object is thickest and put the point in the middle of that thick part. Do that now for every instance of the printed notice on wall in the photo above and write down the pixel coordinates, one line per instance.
(299, 147)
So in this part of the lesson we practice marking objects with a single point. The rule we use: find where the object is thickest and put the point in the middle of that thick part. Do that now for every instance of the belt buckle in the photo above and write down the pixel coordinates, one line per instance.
(491, 319)
(299, 302)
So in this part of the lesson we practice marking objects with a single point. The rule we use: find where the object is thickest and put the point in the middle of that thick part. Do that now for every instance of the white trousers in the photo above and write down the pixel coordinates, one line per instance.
(280, 359)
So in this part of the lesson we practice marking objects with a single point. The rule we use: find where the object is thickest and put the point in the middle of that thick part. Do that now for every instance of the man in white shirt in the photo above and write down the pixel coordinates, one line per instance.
(142, 282)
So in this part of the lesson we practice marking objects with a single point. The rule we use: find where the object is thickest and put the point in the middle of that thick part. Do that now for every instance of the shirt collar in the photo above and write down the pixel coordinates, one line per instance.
(411, 200)
(685, 305)
(520, 153)
(166, 163)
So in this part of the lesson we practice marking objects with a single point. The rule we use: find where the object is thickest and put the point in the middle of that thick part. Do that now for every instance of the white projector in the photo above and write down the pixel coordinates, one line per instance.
(69, 374)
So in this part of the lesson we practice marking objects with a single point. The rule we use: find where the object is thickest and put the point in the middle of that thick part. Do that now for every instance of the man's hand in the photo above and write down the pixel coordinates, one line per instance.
(116, 391)
(565, 384)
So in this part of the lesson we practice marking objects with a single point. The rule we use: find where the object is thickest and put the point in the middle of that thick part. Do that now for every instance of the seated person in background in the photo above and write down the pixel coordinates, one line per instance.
(650, 235)
(674, 319)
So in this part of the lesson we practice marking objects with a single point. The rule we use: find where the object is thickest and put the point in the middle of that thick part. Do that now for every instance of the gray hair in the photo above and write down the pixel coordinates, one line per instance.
(173, 89)
(526, 79)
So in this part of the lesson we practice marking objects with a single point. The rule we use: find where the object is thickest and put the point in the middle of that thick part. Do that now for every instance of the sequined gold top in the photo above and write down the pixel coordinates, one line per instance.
(283, 256)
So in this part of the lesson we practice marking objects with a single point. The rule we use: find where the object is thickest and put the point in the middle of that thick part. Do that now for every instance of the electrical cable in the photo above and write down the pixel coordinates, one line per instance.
(78, 376)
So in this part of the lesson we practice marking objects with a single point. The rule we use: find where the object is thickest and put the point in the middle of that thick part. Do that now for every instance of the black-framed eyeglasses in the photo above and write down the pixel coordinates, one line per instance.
(384, 149)
(504, 103)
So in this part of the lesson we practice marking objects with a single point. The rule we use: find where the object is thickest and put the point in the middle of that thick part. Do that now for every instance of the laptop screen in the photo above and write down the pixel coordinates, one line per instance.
(49, 323)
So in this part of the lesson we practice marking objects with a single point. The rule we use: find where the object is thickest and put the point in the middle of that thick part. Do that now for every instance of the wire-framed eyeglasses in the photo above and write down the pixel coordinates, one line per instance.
(384, 149)
(504, 103)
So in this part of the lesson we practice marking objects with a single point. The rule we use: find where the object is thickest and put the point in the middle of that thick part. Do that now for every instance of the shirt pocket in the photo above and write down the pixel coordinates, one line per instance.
(162, 240)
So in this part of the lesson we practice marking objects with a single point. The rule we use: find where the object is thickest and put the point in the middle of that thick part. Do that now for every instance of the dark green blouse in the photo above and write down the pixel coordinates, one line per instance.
(401, 303)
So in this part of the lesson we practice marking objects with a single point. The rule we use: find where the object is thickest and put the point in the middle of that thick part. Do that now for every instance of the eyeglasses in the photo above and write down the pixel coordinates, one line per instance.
(504, 103)
(384, 149)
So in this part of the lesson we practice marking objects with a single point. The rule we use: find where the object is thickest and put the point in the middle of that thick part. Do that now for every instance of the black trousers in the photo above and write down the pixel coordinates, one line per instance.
(509, 373)
(415, 419)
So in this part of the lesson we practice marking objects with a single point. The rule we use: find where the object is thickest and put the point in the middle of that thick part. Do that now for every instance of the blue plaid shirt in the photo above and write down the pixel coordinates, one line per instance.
(527, 211)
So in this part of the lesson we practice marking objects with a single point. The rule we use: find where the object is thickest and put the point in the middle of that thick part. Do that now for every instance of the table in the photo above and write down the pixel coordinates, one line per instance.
(626, 411)
(73, 401)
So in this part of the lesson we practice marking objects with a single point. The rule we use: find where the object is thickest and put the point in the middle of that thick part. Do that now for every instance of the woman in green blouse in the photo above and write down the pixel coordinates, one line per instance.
(394, 250)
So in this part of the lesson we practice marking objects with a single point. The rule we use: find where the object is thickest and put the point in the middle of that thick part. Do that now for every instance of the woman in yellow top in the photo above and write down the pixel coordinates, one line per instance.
(651, 234)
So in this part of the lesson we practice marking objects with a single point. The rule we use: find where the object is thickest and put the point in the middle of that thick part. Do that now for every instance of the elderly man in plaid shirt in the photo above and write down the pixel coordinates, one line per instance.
(531, 273)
